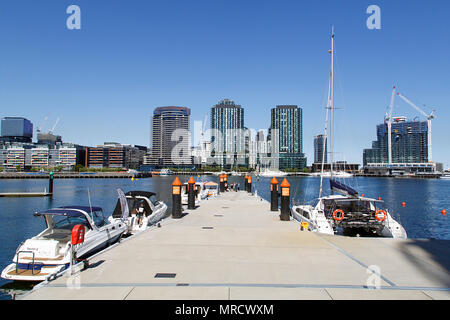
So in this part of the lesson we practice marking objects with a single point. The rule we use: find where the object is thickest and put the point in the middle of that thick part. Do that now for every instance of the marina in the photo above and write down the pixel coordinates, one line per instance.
(234, 247)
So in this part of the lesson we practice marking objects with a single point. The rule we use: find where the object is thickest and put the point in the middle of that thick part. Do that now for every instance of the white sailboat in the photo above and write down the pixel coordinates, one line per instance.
(346, 213)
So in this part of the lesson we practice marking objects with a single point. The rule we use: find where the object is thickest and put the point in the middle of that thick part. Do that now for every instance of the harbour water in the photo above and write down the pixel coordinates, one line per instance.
(421, 216)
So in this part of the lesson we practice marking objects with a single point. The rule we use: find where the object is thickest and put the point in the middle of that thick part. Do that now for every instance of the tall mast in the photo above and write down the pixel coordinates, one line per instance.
(331, 103)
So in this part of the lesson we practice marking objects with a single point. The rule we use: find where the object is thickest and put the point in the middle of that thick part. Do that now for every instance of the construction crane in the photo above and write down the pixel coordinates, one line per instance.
(54, 126)
(429, 118)
(388, 119)
(40, 127)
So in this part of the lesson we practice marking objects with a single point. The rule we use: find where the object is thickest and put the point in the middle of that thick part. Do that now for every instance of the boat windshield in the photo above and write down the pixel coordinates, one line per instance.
(154, 200)
(68, 222)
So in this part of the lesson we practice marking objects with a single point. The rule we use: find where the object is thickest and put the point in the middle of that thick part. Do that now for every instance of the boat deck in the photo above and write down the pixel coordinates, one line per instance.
(233, 247)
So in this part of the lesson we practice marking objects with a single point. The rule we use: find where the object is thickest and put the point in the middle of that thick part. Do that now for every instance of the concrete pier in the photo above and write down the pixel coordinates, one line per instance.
(233, 247)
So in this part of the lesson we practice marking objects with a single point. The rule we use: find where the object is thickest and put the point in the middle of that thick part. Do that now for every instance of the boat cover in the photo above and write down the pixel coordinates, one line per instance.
(342, 188)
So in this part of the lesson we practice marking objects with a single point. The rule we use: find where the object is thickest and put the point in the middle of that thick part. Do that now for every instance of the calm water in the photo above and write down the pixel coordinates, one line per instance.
(421, 217)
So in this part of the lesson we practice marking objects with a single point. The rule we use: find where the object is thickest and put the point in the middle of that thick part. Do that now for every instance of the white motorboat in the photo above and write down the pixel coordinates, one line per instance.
(345, 213)
(49, 252)
(152, 211)
(165, 172)
(201, 193)
(337, 174)
(212, 188)
(272, 173)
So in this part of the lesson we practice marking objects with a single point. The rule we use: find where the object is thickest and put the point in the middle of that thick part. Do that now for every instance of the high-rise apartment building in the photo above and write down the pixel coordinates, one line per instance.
(228, 134)
(320, 149)
(170, 136)
(409, 143)
(286, 135)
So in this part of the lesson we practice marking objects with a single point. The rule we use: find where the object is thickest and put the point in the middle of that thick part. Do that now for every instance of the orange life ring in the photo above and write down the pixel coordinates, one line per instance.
(341, 216)
(384, 215)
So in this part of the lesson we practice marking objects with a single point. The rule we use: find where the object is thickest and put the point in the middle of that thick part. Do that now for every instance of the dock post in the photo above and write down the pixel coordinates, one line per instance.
(222, 183)
(225, 181)
(249, 184)
(50, 183)
(176, 199)
(274, 195)
(191, 193)
(285, 199)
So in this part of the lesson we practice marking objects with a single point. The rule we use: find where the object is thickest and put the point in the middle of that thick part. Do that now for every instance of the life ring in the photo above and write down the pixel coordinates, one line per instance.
(340, 217)
(384, 215)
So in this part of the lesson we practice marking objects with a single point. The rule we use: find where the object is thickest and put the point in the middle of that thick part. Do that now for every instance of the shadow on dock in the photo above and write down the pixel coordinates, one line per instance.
(437, 250)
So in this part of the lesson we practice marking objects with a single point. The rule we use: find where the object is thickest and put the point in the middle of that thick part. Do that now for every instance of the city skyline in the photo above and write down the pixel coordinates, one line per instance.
(273, 54)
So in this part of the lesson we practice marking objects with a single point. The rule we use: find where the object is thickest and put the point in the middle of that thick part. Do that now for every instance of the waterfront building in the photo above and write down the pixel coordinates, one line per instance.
(15, 158)
(228, 135)
(114, 155)
(170, 137)
(286, 135)
(320, 149)
(16, 129)
(409, 148)
(39, 156)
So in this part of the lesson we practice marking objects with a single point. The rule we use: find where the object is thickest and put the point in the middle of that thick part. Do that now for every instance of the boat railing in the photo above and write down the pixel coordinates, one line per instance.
(32, 261)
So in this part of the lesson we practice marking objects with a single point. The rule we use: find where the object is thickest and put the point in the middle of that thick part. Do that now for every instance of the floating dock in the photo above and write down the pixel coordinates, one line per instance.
(232, 247)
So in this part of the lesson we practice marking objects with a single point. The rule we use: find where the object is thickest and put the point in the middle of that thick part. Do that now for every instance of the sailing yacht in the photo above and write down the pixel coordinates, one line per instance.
(345, 213)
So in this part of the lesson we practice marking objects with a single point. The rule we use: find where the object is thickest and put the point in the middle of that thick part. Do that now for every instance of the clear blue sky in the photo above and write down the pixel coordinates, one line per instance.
(129, 57)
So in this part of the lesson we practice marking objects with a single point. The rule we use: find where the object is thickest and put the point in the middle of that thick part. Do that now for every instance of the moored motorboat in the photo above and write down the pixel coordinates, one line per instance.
(49, 252)
(144, 209)
(201, 193)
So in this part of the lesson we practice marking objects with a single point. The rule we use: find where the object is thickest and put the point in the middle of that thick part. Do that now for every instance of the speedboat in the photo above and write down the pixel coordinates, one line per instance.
(153, 211)
(201, 193)
(49, 252)
(212, 188)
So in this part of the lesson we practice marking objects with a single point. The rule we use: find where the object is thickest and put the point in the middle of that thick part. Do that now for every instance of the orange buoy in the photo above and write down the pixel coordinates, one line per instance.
(403, 204)
(444, 212)
(379, 198)
(362, 195)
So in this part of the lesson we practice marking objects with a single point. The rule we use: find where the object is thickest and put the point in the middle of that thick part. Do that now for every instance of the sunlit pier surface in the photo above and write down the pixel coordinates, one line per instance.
(233, 247)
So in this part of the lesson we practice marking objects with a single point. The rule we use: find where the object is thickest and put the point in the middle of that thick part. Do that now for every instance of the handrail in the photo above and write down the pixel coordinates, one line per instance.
(32, 262)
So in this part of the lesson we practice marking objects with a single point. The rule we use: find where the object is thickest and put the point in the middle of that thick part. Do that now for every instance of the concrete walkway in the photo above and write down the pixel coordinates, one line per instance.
(233, 247)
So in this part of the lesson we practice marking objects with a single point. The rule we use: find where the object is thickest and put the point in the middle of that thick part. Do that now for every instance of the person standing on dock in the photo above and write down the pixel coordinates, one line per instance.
(140, 213)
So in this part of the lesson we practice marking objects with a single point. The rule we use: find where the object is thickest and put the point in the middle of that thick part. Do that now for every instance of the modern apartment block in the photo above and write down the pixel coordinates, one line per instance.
(286, 135)
(409, 147)
(320, 149)
(170, 137)
(115, 155)
(228, 135)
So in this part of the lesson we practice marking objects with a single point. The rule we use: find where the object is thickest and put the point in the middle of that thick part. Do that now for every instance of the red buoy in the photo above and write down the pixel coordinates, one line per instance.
(403, 204)
(444, 212)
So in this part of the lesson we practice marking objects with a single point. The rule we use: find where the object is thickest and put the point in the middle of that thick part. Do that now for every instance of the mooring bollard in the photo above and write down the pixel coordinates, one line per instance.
(222, 183)
(50, 183)
(285, 198)
(274, 195)
(176, 199)
(249, 184)
(191, 193)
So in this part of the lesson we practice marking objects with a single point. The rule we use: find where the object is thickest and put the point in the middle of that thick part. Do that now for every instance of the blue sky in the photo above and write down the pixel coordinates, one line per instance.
(104, 80)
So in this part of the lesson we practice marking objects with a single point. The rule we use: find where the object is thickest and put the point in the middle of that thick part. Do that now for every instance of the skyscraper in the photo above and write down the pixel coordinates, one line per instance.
(320, 143)
(228, 134)
(170, 137)
(286, 134)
